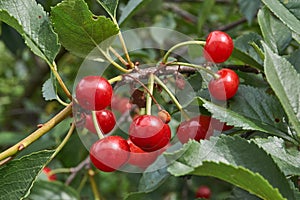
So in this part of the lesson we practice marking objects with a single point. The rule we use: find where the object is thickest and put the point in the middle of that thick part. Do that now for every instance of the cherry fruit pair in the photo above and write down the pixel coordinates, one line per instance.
(94, 93)
(147, 135)
(217, 49)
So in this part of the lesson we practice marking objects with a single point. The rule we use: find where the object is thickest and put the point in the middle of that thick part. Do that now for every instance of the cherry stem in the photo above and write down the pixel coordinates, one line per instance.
(95, 121)
(61, 101)
(185, 115)
(209, 71)
(147, 90)
(107, 56)
(59, 171)
(118, 56)
(53, 68)
(131, 64)
(193, 42)
(115, 79)
(36, 134)
(65, 140)
(149, 94)
(96, 193)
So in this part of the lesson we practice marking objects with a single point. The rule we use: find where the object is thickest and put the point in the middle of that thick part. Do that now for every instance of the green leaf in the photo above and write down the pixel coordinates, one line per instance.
(48, 90)
(252, 109)
(18, 176)
(227, 158)
(110, 6)
(284, 80)
(130, 8)
(293, 6)
(78, 29)
(288, 160)
(244, 51)
(276, 34)
(249, 8)
(52, 190)
(238, 193)
(153, 179)
(294, 59)
(137, 196)
(284, 14)
(32, 22)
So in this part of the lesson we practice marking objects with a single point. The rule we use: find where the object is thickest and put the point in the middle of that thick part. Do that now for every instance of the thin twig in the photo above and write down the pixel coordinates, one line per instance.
(75, 170)
(184, 14)
(232, 25)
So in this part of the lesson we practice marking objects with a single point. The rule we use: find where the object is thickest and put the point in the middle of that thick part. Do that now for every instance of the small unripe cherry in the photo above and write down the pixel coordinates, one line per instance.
(164, 116)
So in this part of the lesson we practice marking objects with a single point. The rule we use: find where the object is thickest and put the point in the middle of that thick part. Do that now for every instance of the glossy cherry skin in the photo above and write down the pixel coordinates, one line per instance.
(149, 132)
(139, 157)
(93, 93)
(106, 121)
(203, 192)
(219, 126)
(110, 153)
(52, 177)
(226, 86)
(218, 47)
(197, 128)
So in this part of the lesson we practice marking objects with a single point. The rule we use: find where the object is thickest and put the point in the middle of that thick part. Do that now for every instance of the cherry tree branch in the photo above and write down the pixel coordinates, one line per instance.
(44, 128)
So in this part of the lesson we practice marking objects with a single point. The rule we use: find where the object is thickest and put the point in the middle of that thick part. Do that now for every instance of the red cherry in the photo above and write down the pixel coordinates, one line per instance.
(218, 47)
(139, 157)
(220, 126)
(197, 128)
(47, 171)
(226, 86)
(110, 153)
(106, 121)
(203, 192)
(120, 104)
(94, 93)
(149, 132)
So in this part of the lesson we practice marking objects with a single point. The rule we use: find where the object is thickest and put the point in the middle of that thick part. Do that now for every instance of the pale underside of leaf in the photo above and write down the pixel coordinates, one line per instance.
(288, 161)
(284, 80)
(239, 119)
(229, 158)
(283, 14)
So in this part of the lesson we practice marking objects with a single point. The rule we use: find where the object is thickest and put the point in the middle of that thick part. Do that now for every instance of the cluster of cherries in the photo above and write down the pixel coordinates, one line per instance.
(149, 135)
